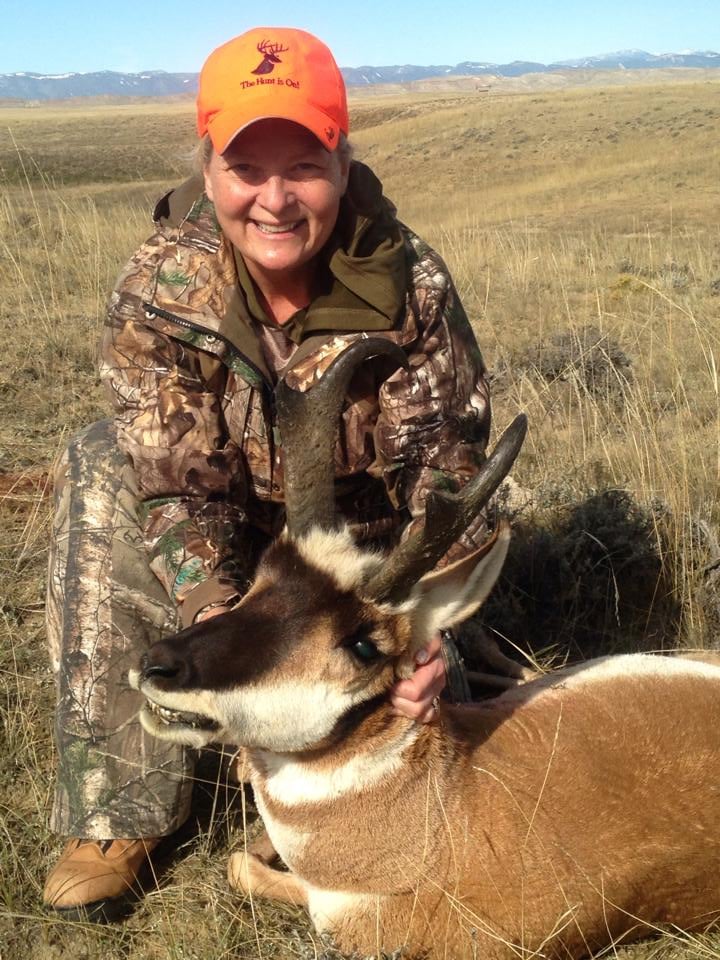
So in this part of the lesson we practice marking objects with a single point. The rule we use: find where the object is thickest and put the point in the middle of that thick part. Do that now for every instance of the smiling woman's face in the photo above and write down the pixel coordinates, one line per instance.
(277, 194)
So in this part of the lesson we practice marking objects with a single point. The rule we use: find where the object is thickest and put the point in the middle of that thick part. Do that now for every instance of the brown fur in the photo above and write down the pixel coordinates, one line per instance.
(560, 820)
(565, 815)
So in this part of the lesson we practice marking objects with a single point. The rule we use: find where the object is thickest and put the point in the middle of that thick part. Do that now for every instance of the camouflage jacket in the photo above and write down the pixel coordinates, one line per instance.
(194, 405)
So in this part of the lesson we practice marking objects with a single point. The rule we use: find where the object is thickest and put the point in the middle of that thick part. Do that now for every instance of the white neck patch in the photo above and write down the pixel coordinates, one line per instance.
(292, 782)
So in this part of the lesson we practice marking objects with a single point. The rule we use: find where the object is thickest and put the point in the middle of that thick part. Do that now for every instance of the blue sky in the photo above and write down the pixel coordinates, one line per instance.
(49, 36)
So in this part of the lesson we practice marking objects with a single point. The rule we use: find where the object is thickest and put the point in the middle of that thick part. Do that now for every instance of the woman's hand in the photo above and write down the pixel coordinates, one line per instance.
(415, 698)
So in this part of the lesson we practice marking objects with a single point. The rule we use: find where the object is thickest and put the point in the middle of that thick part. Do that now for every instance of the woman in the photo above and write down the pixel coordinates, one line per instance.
(270, 264)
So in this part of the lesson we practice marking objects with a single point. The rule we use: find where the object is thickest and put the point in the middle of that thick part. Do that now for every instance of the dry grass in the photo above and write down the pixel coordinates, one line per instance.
(580, 226)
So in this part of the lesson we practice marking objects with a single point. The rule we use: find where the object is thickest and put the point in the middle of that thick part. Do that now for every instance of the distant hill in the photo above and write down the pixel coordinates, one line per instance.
(157, 83)
(64, 86)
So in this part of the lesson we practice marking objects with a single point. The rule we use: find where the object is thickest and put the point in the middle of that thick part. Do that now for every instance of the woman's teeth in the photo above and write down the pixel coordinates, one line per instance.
(276, 228)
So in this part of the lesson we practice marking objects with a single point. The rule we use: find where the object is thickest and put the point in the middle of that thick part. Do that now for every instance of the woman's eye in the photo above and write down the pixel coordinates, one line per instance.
(306, 168)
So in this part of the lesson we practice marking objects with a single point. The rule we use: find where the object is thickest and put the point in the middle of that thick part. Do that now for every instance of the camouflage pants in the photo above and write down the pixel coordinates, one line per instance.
(105, 606)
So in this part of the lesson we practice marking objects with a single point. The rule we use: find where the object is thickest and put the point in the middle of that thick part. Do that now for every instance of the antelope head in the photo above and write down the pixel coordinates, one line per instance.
(326, 627)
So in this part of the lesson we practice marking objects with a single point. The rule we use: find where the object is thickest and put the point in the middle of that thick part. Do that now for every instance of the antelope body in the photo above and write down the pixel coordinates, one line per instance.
(566, 814)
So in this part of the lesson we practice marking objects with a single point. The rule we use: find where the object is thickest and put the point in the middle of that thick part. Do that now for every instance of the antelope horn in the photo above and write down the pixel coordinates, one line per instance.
(309, 424)
(447, 515)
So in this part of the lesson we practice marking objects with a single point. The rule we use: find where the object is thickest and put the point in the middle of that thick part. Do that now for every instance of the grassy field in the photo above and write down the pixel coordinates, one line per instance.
(581, 227)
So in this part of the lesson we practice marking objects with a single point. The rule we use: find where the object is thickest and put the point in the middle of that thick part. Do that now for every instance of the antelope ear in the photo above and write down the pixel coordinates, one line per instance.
(446, 597)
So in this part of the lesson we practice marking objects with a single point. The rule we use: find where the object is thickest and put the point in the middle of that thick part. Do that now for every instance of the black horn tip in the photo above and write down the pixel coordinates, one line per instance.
(520, 423)
(504, 453)
(344, 365)
(364, 349)
(516, 432)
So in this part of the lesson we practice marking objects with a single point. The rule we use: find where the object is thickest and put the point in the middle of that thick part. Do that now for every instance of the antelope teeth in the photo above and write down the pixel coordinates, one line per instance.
(167, 716)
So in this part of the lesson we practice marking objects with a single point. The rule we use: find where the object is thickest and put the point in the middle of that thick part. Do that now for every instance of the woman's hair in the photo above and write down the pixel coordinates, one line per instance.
(203, 152)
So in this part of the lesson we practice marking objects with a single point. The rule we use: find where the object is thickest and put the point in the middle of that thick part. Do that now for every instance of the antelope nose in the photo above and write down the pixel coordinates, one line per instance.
(162, 663)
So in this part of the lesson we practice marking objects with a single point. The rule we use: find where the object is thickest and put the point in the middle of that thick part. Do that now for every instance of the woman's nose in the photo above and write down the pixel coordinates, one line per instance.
(276, 195)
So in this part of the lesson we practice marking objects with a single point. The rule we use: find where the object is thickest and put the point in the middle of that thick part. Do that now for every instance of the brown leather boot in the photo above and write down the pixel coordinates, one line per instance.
(96, 879)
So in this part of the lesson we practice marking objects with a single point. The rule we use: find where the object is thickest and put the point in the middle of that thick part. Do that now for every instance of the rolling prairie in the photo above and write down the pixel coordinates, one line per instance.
(581, 226)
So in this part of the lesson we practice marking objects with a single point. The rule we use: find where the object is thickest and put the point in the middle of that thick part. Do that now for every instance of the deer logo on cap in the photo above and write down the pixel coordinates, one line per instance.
(270, 53)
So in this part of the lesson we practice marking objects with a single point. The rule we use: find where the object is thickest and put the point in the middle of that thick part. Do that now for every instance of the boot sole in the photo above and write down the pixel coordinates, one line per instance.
(109, 910)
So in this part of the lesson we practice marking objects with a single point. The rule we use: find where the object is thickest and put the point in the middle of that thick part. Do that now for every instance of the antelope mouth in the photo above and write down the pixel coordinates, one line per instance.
(169, 718)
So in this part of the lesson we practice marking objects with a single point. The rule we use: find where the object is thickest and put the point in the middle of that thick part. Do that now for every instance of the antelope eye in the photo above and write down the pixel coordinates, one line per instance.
(361, 646)
(365, 650)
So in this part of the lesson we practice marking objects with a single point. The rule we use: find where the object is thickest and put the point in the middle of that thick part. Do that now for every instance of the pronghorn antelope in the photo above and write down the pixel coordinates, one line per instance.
(567, 814)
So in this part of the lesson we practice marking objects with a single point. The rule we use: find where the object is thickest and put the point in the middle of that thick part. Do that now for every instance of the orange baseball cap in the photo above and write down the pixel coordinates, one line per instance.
(271, 72)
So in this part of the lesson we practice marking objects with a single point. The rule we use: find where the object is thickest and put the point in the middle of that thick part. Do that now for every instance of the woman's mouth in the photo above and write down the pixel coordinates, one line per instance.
(273, 228)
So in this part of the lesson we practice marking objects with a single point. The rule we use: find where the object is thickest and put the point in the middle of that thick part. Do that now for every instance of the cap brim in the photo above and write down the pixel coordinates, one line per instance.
(227, 124)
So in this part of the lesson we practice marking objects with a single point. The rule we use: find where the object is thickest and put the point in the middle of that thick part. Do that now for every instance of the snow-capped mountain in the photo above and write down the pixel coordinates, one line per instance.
(154, 83)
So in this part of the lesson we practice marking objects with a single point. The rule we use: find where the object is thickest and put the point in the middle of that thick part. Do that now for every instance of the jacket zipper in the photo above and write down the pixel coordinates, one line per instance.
(153, 311)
